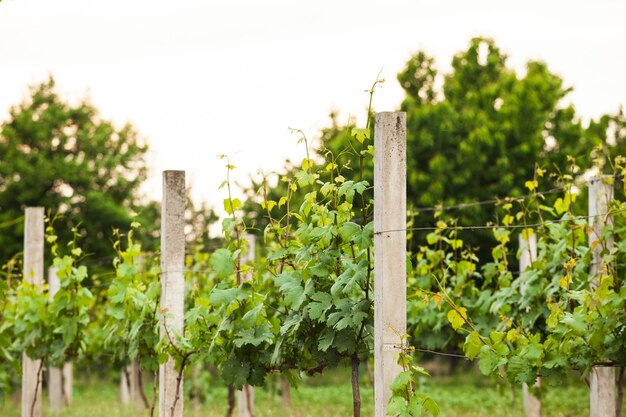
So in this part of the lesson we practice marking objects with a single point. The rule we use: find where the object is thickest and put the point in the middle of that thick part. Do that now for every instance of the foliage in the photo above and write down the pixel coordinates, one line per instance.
(130, 330)
(558, 315)
(51, 329)
(66, 158)
(405, 400)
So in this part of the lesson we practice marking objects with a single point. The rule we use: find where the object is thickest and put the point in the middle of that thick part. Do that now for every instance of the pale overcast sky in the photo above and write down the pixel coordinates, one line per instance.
(202, 78)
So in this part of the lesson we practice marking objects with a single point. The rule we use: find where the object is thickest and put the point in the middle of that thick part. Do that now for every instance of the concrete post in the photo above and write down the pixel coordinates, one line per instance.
(136, 386)
(125, 386)
(389, 251)
(245, 401)
(602, 379)
(33, 274)
(172, 287)
(68, 383)
(55, 375)
(528, 254)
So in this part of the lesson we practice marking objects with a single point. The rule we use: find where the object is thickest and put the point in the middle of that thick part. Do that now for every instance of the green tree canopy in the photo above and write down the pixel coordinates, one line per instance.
(482, 132)
(66, 158)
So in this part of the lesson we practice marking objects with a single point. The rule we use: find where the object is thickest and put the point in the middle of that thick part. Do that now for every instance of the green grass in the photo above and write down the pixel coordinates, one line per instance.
(466, 396)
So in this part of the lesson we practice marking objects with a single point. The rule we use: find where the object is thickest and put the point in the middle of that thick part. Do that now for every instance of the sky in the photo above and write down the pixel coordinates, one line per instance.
(203, 78)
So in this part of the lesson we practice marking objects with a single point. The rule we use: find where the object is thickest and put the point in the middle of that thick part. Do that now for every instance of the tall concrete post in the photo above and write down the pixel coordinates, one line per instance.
(528, 254)
(55, 375)
(172, 287)
(602, 378)
(33, 274)
(245, 400)
(389, 252)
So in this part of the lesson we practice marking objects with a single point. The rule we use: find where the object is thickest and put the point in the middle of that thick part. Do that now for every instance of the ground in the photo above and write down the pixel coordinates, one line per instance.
(467, 395)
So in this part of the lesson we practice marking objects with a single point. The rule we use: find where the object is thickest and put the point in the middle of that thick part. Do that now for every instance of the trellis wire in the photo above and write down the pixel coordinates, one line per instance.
(511, 226)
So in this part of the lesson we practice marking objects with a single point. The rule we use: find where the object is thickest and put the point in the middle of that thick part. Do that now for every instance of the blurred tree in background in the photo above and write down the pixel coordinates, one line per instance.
(480, 134)
(67, 159)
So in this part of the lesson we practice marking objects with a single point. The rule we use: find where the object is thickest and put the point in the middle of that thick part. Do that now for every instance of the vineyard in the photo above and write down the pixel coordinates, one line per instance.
(339, 276)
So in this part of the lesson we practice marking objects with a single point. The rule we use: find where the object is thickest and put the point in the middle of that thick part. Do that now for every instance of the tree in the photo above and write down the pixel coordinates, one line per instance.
(66, 158)
(481, 135)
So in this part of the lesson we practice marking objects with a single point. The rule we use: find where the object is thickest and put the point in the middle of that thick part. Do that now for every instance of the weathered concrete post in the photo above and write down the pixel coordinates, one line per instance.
(172, 286)
(68, 383)
(33, 274)
(131, 386)
(602, 378)
(55, 375)
(389, 251)
(136, 386)
(125, 385)
(245, 401)
(528, 254)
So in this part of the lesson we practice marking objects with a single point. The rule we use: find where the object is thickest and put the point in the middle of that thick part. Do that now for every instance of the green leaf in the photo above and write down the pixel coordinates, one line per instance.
(254, 336)
(116, 311)
(249, 319)
(222, 263)
(69, 332)
(234, 371)
(456, 318)
(576, 322)
(360, 134)
(415, 406)
(220, 297)
(80, 273)
(488, 360)
(497, 337)
(270, 205)
(432, 238)
(397, 407)
(326, 340)
(290, 285)
(472, 345)
(431, 406)
(348, 230)
(231, 205)
(531, 185)
(304, 178)
(349, 279)
(327, 188)
(532, 351)
(562, 205)
(364, 238)
(401, 381)
(520, 370)
(291, 324)
(322, 301)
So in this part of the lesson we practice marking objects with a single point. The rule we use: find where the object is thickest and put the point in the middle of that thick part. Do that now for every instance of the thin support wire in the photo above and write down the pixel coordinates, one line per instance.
(511, 226)
(462, 206)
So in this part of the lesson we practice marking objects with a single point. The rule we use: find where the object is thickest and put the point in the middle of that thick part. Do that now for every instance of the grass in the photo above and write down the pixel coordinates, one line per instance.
(329, 396)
